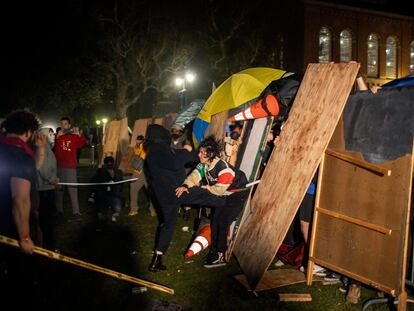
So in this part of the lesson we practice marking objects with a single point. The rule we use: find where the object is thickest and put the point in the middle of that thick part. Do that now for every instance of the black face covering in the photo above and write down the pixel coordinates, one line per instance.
(234, 135)
(176, 135)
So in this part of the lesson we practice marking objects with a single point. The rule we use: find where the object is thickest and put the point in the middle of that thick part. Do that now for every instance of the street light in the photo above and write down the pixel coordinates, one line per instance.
(98, 122)
(181, 82)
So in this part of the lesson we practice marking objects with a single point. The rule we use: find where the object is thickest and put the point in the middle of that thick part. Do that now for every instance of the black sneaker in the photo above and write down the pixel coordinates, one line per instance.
(215, 260)
(332, 277)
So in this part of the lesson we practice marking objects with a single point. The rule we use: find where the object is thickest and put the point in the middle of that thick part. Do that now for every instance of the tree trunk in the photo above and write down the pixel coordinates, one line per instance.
(121, 101)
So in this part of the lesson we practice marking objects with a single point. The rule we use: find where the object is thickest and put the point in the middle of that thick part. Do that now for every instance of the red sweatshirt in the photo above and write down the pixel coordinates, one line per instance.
(65, 149)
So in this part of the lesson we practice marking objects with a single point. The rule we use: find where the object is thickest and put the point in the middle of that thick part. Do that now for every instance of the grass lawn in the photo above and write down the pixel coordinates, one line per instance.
(126, 246)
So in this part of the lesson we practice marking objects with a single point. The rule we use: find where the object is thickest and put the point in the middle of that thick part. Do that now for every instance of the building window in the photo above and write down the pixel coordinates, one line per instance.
(372, 55)
(412, 57)
(324, 45)
(345, 45)
(391, 58)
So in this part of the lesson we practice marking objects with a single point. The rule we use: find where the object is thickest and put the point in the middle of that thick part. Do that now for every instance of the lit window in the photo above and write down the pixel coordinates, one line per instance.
(412, 57)
(324, 45)
(345, 44)
(391, 58)
(372, 55)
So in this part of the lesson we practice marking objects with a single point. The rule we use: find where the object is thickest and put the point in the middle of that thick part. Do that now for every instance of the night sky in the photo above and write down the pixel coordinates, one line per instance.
(42, 40)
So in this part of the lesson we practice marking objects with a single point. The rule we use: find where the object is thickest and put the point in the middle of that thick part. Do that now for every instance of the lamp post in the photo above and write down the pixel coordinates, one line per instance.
(98, 122)
(181, 82)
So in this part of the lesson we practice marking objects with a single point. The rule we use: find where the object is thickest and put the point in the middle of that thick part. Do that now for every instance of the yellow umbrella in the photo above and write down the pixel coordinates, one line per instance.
(238, 89)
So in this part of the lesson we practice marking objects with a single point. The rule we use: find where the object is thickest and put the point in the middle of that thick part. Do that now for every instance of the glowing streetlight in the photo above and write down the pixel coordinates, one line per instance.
(104, 120)
(98, 122)
(181, 82)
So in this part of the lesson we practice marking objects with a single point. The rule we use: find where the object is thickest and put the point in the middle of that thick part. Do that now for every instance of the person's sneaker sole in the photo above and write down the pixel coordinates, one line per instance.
(215, 265)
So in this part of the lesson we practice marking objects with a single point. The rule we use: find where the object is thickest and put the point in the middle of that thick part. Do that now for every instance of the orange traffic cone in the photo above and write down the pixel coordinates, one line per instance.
(260, 109)
(202, 241)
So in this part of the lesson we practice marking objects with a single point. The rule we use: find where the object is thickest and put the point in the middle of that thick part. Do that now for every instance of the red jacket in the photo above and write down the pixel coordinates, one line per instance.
(65, 149)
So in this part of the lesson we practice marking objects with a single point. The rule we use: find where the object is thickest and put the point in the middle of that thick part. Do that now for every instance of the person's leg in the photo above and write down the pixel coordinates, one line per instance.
(46, 209)
(133, 193)
(60, 191)
(164, 236)
(73, 190)
(200, 196)
(234, 205)
(150, 197)
(167, 226)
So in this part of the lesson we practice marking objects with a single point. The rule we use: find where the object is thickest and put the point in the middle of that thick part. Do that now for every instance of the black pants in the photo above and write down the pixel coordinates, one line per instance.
(225, 211)
(104, 199)
(46, 210)
(167, 213)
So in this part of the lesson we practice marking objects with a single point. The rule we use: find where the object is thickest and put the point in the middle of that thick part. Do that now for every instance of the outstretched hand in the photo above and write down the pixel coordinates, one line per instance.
(180, 190)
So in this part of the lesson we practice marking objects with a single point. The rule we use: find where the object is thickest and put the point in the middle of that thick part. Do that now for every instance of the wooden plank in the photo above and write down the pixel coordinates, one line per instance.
(140, 128)
(295, 297)
(355, 276)
(361, 163)
(110, 145)
(355, 221)
(316, 111)
(277, 278)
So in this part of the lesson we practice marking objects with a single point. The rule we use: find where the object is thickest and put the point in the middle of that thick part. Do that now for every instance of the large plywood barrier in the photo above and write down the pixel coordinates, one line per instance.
(361, 213)
(315, 113)
(110, 141)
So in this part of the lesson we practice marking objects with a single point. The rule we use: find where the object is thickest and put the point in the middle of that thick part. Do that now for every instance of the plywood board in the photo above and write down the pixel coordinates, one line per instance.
(375, 199)
(312, 120)
(126, 161)
(277, 278)
(254, 142)
(140, 128)
(159, 121)
(123, 141)
(110, 145)
(217, 125)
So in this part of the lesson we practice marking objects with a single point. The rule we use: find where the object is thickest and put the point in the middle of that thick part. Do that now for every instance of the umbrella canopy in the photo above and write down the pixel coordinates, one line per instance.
(238, 89)
(401, 82)
(190, 112)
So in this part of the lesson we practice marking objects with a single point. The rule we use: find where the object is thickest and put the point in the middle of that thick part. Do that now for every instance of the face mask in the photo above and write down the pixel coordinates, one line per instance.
(176, 135)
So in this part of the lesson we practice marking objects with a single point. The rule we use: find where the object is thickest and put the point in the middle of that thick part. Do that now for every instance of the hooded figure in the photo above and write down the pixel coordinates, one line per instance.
(166, 172)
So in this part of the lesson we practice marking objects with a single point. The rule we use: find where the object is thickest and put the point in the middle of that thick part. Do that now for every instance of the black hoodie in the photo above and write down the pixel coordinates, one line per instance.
(165, 165)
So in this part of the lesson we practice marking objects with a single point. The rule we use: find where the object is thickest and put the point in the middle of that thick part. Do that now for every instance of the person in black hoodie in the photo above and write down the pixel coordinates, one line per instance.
(166, 172)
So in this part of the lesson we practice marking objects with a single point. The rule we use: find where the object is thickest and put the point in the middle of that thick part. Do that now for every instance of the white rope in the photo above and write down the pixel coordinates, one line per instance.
(96, 183)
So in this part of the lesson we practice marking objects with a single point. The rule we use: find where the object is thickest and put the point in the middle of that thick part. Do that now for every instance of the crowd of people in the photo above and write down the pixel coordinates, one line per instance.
(35, 172)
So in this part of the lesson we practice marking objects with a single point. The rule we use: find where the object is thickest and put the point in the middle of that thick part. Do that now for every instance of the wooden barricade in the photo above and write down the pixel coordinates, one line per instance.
(317, 109)
(360, 226)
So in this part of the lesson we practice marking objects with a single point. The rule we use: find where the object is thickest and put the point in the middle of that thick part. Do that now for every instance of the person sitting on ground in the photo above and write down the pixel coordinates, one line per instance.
(137, 166)
(209, 185)
(108, 195)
